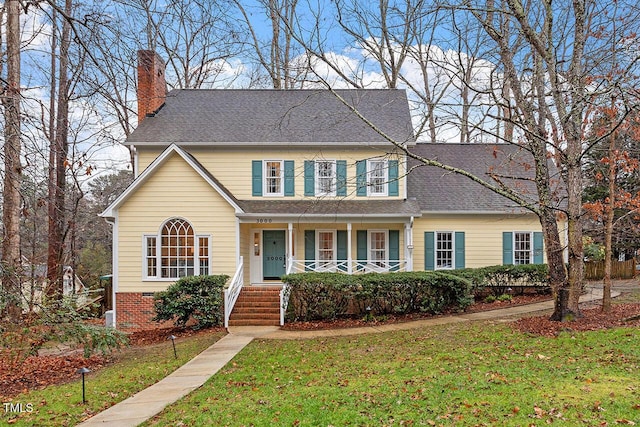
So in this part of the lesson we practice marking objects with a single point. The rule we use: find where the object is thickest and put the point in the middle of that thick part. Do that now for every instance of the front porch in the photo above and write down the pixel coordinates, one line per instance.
(274, 250)
(279, 237)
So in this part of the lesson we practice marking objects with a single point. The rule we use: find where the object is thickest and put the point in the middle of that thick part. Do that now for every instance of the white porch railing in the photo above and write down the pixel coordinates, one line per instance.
(232, 292)
(348, 267)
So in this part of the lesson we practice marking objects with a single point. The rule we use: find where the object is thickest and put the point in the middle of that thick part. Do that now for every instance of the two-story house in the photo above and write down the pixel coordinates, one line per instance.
(260, 183)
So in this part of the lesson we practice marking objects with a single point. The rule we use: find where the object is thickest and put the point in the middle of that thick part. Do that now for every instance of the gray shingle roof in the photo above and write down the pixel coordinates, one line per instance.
(219, 116)
(438, 190)
(357, 208)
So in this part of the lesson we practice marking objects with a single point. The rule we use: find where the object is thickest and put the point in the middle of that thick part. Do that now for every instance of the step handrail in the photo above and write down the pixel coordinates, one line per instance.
(232, 292)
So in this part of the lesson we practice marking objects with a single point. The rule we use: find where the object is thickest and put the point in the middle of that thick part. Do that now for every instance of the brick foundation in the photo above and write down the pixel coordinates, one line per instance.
(134, 310)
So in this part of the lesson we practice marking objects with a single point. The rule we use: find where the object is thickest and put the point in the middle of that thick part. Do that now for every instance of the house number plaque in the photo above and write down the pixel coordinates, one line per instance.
(264, 220)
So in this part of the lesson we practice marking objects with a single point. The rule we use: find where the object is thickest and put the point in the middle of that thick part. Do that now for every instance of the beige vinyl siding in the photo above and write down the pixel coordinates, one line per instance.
(246, 245)
(232, 167)
(174, 190)
(483, 235)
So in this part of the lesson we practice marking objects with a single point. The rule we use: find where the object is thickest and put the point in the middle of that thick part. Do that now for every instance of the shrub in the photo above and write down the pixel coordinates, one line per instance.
(504, 297)
(57, 321)
(502, 279)
(326, 296)
(314, 296)
(199, 298)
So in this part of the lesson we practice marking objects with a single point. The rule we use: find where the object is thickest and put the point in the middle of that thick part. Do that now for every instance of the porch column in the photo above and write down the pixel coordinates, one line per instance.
(349, 258)
(408, 236)
(290, 251)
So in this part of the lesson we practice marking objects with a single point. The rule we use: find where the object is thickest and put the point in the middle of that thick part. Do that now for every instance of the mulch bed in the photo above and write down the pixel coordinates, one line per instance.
(591, 319)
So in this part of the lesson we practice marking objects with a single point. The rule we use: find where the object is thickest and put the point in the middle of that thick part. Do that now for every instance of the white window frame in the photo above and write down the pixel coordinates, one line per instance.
(437, 250)
(516, 250)
(370, 250)
(267, 177)
(156, 258)
(327, 265)
(319, 179)
(370, 177)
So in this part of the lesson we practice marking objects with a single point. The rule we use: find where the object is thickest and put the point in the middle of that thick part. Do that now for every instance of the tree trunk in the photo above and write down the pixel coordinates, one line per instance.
(608, 224)
(11, 210)
(56, 230)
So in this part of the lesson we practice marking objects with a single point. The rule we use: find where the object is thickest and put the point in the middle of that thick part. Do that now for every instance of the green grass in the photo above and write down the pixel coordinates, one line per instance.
(467, 374)
(136, 369)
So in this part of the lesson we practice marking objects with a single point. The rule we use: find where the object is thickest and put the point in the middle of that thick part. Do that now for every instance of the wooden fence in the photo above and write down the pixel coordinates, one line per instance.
(594, 270)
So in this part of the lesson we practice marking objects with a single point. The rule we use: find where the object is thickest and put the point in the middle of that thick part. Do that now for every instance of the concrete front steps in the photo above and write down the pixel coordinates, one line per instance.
(257, 306)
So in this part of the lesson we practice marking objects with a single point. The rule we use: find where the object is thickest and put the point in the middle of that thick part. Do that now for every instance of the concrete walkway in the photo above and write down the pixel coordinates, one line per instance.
(152, 400)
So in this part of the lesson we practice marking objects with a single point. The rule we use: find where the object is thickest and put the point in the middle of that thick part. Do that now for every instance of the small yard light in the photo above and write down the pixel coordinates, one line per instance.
(173, 341)
(83, 371)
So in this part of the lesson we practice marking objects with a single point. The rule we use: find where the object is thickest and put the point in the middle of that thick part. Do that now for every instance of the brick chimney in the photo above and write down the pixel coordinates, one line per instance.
(152, 87)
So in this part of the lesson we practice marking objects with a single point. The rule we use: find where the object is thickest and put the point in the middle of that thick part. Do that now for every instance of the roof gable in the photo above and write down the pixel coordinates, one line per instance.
(109, 212)
(219, 116)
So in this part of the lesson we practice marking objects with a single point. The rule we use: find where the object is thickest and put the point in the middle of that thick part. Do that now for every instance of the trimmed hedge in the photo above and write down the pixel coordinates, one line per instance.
(199, 298)
(498, 279)
(326, 296)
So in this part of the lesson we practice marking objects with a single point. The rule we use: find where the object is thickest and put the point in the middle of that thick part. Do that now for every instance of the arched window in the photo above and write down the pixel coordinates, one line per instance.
(177, 251)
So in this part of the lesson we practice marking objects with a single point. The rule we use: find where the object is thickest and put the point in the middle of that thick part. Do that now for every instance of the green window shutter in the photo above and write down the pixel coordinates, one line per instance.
(341, 237)
(256, 177)
(507, 248)
(309, 248)
(341, 178)
(394, 249)
(429, 251)
(393, 178)
(361, 245)
(538, 248)
(459, 242)
(309, 178)
(361, 178)
(289, 178)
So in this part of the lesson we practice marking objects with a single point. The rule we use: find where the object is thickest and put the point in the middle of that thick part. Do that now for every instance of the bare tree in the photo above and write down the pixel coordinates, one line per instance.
(59, 149)
(11, 262)
(276, 55)
(545, 86)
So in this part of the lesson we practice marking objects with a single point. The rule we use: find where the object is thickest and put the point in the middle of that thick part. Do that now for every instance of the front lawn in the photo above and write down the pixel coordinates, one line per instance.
(134, 369)
(464, 374)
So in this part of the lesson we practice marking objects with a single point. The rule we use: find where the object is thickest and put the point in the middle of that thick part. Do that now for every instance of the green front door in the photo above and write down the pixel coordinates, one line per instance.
(273, 254)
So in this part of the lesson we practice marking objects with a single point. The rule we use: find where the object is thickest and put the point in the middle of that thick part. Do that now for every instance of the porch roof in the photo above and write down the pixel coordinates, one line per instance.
(398, 209)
